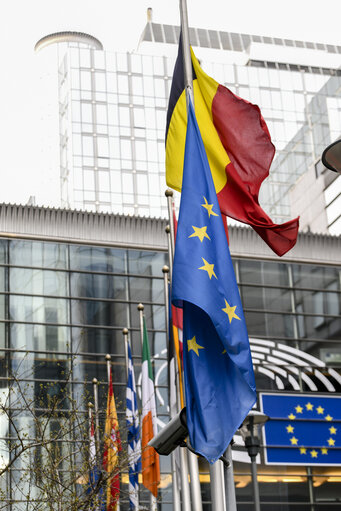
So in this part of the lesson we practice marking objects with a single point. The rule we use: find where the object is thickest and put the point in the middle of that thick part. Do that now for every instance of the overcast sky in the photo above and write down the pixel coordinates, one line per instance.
(27, 167)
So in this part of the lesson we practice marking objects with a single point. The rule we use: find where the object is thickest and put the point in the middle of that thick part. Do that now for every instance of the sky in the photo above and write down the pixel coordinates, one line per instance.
(28, 163)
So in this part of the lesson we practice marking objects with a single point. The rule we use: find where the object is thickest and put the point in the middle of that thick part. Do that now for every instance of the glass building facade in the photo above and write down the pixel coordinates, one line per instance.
(64, 303)
(113, 115)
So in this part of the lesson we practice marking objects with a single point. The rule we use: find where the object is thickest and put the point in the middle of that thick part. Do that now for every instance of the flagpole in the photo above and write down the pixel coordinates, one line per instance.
(90, 411)
(169, 195)
(230, 491)
(97, 443)
(125, 341)
(175, 486)
(140, 308)
(108, 361)
(193, 461)
(186, 51)
(168, 232)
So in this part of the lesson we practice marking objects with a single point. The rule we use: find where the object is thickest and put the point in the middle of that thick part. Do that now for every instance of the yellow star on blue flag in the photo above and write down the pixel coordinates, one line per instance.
(219, 378)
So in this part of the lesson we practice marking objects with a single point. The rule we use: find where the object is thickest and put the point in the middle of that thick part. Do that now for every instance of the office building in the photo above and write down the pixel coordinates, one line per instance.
(71, 281)
(113, 109)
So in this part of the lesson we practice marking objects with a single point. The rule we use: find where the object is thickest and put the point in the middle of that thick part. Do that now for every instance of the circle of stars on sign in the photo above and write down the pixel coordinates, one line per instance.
(320, 412)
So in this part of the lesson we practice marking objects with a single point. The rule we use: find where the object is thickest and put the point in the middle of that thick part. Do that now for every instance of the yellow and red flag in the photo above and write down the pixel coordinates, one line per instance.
(150, 458)
(112, 445)
(238, 147)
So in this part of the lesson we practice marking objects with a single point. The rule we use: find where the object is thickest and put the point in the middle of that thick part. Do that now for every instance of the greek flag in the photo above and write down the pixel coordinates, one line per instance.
(134, 442)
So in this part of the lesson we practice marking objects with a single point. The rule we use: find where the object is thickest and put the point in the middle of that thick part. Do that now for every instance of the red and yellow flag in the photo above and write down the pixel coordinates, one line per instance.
(238, 147)
(112, 445)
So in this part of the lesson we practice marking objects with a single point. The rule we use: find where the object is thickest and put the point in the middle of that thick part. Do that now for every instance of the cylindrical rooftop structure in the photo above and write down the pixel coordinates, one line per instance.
(68, 37)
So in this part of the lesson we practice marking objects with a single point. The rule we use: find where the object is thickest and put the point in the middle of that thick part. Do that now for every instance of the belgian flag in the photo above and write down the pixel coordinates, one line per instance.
(238, 147)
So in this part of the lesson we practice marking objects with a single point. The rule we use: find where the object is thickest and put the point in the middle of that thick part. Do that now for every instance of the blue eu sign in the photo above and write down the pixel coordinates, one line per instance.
(303, 429)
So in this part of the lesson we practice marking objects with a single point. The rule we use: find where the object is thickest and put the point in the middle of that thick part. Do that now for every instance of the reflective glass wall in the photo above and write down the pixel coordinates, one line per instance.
(113, 118)
(63, 308)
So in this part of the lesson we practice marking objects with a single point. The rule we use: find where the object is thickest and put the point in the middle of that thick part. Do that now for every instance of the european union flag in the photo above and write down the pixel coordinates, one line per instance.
(303, 429)
(219, 378)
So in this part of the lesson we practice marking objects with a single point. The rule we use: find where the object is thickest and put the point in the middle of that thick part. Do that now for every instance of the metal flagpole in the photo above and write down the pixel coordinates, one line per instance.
(125, 340)
(90, 411)
(217, 485)
(108, 361)
(169, 237)
(186, 457)
(169, 195)
(95, 389)
(175, 486)
(140, 308)
(230, 492)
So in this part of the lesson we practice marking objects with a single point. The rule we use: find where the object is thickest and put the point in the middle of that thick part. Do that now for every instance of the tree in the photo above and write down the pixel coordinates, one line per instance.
(44, 453)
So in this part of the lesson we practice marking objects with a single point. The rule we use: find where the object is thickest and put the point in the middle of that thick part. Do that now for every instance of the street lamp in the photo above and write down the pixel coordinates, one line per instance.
(331, 157)
(250, 431)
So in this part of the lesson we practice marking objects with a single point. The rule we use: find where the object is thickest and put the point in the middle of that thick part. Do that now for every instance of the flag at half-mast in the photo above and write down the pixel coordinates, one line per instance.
(150, 458)
(134, 440)
(219, 379)
(238, 147)
(112, 446)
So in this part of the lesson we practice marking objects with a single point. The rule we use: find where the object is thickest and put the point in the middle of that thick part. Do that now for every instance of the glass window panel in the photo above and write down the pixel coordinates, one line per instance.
(86, 80)
(103, 147)
(3, 251)
(137, 87)
(261, 272)
(139, 117)
(98, 286)
(142, 183)
(124, 116)
(101, 114)
(35, 253)
(89, 180)
(125, 149)
(140, 150)
(314, 276)
(96, 340)
(97, 259)
(84, 57)
(122, 81)
(276, 325)
(39, 338)
(104, 180)
(24, 280)
(100, 82)
(88, 145)
(76, 111)
(38, 310)
(89, 312)
(86, 112)
(146, 263)
(122, 64)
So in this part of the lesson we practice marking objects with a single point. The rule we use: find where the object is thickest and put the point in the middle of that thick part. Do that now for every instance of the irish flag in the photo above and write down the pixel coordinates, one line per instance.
(150, 458)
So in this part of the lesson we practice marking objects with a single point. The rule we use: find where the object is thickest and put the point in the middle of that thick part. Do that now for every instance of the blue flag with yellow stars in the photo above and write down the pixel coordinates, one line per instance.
(219, 379)
(303, 429)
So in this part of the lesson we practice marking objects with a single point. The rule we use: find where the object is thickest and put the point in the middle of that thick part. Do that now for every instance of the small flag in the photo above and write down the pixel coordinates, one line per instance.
(134, 442)
(303, 429)
(238, 147)
(219, 378)
(95, 487)
(112, 445)
(150, 458)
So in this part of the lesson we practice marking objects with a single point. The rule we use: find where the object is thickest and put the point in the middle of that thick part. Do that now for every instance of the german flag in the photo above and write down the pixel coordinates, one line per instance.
(238, 148)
